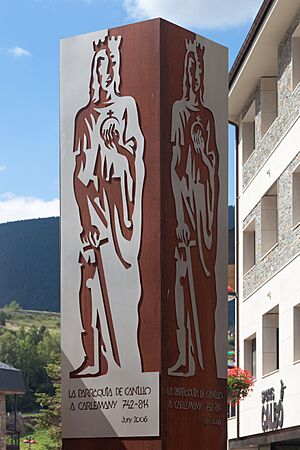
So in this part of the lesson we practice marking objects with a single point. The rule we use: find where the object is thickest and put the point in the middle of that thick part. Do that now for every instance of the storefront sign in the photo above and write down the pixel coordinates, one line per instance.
(272, 412)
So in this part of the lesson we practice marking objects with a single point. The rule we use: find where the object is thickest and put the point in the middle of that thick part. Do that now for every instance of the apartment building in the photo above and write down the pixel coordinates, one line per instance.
(264, 105)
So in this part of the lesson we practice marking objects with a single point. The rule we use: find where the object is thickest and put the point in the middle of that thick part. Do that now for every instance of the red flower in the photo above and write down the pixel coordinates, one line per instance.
(239, 384)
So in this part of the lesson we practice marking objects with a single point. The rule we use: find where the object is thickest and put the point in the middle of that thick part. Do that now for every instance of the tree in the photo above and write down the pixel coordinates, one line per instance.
(50, 413)
(30, 351)
(13, 306)
(3, 317)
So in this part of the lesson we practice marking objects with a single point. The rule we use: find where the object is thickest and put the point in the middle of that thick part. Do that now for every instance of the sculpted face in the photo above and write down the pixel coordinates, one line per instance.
(105, 69)
(194, 71)
(105, 76)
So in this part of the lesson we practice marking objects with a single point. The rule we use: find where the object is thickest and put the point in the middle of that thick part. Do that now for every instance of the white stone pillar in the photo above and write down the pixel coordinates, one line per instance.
(2, 421)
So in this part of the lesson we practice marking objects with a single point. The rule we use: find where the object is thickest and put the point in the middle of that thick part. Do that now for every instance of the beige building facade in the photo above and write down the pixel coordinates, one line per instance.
(264, 106)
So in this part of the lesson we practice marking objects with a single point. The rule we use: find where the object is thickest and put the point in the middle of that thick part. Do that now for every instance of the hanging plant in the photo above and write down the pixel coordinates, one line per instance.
(239, 384)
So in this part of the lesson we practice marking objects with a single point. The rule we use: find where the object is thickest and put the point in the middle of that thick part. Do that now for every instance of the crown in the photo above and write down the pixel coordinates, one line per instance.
(98, 45)
(194, 46)
(113, 43)
(200, 49)
(190, 45)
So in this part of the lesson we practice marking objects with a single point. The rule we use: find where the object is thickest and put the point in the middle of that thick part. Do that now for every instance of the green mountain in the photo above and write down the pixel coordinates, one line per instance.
(29, 263)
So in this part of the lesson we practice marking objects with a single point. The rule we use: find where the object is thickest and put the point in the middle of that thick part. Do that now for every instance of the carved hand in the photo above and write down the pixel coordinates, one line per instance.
(183, 232)
(90, 235)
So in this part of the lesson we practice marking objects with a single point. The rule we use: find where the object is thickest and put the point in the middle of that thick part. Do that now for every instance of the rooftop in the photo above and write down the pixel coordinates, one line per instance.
(11, 380)
(258, 55)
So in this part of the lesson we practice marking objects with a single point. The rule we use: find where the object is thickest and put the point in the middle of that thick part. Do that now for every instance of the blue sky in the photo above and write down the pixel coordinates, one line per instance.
(30, 31)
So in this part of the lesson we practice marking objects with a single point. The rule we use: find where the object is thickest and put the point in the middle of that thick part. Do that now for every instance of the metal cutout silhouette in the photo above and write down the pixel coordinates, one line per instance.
(195, 185)
(108, 185)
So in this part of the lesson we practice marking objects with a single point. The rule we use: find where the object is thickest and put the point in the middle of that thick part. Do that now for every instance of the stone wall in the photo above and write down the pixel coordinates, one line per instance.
(288, 237)
(288, 109)
(2, 422)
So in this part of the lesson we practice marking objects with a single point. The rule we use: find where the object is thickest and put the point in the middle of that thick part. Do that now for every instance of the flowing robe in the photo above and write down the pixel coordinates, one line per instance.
(195, 185)
(108, 184)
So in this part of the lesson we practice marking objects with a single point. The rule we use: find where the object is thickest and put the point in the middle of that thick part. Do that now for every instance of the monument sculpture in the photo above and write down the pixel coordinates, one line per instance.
(143, 239)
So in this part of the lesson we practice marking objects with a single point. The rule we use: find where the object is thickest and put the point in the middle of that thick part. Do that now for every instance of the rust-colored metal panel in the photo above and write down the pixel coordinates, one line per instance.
(194, 166)
(231, 276)
(135, 51)
(112, 444)
(174, 84)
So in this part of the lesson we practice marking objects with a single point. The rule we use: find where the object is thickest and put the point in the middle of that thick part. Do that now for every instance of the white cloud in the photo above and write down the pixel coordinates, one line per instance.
(13, 207)
(2, 167)
(18, 52)
(196, 13)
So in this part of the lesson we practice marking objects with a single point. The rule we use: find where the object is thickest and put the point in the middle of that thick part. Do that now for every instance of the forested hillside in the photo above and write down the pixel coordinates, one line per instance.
(29, 263)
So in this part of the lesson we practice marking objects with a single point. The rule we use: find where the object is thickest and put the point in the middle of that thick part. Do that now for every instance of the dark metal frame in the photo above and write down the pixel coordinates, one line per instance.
(12, 434)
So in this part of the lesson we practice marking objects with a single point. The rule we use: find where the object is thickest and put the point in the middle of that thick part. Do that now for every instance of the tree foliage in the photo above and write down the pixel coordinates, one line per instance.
(3, 317)
(13, 306)
(30, 351)
(50, 413)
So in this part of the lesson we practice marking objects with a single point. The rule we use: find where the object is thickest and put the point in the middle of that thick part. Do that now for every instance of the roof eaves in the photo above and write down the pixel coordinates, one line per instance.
(257, 23)
(11, 380)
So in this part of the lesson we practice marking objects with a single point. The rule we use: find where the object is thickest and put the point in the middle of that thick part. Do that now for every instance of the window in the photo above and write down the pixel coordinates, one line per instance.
(270, 330)
(250, 355)
(268, 102)
(249, 246)
(248, 132)
(297, 332)
(296, 57)
(296, 196)
(231, 410)
(253, 357)
(269, 222)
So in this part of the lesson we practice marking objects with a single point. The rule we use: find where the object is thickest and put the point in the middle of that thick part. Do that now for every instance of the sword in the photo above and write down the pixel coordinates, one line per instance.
(92, 253)
(193, 297)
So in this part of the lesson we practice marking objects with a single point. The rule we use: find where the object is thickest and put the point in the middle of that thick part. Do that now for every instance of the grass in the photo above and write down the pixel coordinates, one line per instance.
(28, 319)
(41, 437)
